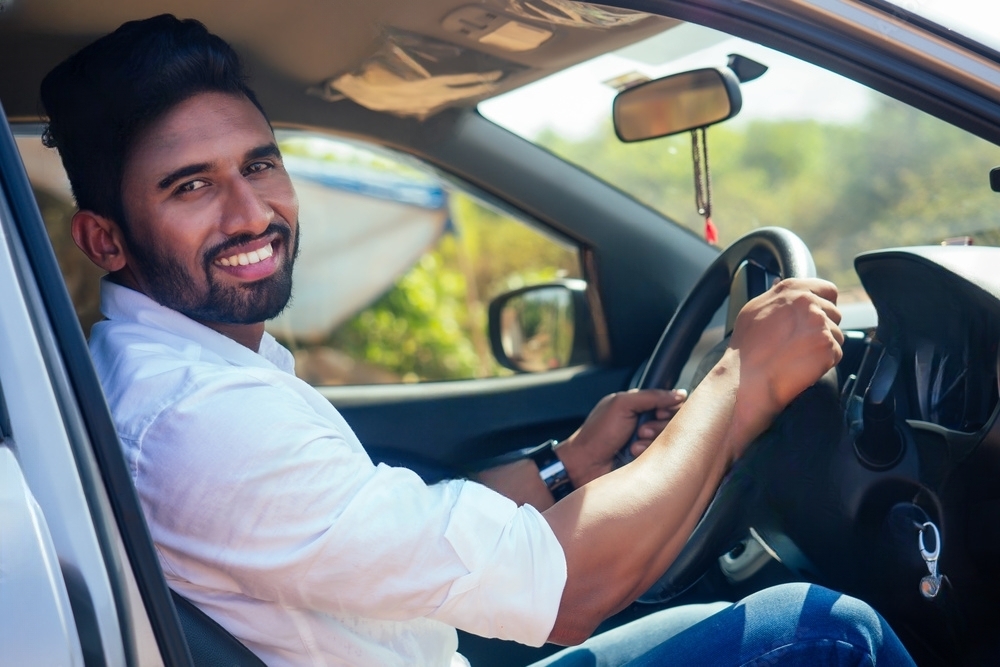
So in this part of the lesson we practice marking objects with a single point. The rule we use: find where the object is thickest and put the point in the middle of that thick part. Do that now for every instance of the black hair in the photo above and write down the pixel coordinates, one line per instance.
(100, 99)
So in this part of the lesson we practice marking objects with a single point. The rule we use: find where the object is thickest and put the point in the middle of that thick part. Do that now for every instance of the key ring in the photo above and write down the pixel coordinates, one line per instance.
(929, 556)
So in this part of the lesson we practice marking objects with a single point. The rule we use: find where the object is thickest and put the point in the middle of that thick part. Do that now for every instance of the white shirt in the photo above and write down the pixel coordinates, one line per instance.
(268, 514)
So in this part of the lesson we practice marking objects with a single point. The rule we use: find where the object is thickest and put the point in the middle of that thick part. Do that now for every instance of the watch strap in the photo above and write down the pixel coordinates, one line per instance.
(551, 470)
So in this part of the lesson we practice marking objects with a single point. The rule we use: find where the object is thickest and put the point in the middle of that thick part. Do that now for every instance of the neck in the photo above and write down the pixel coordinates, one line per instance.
(248, 335)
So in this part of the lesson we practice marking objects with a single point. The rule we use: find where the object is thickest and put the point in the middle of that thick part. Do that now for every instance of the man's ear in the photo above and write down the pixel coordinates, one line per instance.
(100, 239)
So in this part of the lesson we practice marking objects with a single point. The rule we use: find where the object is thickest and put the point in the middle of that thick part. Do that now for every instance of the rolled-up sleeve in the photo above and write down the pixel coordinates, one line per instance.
(516, 569)
(249, 489)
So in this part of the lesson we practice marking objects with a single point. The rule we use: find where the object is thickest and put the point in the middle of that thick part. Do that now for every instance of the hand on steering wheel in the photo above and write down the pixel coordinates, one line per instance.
(590, 452)
(746, 269)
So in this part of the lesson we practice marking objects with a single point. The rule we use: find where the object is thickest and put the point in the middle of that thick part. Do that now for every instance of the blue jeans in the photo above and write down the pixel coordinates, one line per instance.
(792, 624)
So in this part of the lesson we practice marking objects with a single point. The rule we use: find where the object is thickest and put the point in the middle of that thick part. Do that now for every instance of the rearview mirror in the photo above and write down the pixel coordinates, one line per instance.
(541, 327)
(676, 103)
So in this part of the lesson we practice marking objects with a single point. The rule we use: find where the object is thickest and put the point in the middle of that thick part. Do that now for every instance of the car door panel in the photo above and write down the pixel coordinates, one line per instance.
(451, 424)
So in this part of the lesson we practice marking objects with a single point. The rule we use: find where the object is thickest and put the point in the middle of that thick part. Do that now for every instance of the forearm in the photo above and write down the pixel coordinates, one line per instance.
(623, 530)
(651, 505)
(520, 482)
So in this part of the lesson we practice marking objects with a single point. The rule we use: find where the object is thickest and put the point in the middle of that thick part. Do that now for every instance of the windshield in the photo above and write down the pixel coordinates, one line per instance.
(844, 167)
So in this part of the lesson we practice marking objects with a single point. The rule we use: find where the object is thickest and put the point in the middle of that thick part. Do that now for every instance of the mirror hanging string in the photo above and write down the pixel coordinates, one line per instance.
(703, 183)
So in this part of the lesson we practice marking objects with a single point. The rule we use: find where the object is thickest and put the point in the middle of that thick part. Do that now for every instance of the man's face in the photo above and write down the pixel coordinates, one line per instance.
(211, 214)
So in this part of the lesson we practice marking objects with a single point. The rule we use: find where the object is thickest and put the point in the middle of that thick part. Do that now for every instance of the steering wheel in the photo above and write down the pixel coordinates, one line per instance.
(744, 270)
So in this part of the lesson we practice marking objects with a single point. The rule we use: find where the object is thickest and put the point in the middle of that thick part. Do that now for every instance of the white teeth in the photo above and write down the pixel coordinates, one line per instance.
(245, 258)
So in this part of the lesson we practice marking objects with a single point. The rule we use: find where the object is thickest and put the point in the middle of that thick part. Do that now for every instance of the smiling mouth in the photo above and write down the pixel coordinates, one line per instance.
(247, 258)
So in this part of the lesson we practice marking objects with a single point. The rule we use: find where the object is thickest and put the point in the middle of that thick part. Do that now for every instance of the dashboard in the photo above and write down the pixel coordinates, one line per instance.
(939, 320)
(916, 443)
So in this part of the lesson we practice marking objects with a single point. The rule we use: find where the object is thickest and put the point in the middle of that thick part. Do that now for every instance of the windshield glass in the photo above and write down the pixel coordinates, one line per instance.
(844, 167)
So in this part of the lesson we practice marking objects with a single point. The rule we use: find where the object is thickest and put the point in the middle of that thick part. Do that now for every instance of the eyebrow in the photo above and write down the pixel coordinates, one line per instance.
(267, 150)
(183, 172)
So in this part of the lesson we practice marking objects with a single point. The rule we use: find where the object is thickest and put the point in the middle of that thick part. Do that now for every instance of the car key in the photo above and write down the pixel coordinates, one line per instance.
(930, 585)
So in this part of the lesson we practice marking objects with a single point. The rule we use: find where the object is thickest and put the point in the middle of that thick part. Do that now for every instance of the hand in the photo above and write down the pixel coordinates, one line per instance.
(785, 339)
(589, 453)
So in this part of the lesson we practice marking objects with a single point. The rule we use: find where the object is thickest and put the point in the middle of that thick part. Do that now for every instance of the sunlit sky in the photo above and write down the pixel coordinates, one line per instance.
(574, 102)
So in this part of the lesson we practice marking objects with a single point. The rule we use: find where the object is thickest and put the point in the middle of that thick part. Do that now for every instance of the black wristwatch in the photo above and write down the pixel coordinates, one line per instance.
(551, 470)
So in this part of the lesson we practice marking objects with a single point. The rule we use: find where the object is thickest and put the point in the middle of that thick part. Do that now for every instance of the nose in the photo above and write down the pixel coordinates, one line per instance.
(245, 210)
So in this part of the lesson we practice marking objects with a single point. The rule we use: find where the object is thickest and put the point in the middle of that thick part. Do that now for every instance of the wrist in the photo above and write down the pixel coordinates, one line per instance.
(580, 466)
(752, 398)
(519, 481)
(553, 470)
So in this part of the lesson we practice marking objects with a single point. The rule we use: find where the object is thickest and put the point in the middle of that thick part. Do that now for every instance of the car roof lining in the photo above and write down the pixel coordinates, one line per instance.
(303, 44)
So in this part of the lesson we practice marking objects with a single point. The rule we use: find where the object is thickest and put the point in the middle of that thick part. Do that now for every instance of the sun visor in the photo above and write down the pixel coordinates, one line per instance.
(574, 14)
(414, 75)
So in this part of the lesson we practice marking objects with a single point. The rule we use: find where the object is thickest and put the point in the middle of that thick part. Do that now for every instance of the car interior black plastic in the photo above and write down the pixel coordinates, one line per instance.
(210, 644)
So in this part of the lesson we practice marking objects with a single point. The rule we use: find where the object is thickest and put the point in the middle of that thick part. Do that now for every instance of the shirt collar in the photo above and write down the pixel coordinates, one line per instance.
(122, 304)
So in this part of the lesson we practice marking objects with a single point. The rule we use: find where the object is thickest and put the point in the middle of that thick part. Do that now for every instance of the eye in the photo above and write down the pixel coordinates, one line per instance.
(258, 166)
(191, 186)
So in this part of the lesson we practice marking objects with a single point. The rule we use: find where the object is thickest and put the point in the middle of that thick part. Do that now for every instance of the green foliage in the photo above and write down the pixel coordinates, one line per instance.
(432, 324)
(418, 328)
(504, 253)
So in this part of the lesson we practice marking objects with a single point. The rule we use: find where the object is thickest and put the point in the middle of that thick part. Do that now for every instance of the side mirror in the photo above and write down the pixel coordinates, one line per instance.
(676, 103)
(541, 327)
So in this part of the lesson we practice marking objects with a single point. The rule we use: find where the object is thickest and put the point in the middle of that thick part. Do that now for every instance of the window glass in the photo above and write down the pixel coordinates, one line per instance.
(396, 269)
(398, 265)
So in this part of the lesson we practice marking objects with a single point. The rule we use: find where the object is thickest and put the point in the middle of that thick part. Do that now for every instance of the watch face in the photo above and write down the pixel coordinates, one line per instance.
(551, 470)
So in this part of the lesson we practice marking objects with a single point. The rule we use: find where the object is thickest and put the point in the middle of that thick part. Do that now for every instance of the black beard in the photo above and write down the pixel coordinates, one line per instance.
(169, 284)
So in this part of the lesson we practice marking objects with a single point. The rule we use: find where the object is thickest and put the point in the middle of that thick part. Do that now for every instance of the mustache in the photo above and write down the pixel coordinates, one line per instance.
(283, 230)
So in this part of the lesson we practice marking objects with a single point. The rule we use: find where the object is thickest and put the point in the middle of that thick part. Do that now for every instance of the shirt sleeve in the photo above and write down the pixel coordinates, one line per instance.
(248, 489)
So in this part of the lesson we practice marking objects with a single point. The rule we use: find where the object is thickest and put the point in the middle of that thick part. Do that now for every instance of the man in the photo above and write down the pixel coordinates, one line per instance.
(263, 505)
